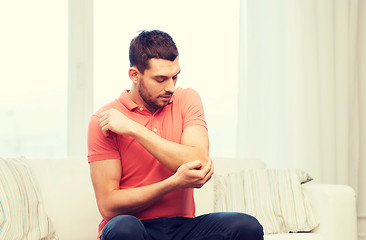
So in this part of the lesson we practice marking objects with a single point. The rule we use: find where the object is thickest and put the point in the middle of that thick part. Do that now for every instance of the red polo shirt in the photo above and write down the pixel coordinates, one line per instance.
(139, 167)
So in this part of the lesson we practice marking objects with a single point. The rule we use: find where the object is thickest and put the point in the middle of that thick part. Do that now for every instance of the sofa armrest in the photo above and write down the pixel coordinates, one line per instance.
(335, 206)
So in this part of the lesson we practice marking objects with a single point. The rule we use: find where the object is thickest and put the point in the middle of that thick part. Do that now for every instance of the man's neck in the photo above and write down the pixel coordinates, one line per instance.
(136, 98)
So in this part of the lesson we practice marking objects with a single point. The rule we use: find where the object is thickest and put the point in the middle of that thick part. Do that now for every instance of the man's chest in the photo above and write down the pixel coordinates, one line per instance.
(167, 123)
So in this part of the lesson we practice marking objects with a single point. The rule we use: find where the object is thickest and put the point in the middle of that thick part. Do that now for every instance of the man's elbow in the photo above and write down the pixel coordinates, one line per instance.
(106, 212)
(107, 209)
(194, 156)
(203, 156)
(204, 160)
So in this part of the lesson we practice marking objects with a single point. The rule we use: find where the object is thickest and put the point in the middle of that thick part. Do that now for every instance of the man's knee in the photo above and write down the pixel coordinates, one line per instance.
(124, 227)
(240, 226)
(246, 227)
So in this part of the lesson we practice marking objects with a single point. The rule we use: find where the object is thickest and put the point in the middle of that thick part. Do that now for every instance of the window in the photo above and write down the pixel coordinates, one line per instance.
(206, 33)
(34, 66)
(33, 92)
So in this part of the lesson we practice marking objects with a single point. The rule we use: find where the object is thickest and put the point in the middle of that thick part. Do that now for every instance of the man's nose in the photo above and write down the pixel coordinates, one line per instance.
(170, 85)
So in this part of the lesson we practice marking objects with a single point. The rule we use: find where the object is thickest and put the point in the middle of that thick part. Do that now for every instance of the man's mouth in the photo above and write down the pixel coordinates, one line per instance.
(166, 97)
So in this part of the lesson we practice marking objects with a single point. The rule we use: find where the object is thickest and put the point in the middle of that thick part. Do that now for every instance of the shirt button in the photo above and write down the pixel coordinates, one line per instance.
(141, 109)
(155, 130)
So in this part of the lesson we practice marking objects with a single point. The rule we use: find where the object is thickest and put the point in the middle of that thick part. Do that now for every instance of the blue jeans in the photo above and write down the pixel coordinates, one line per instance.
(214, 226)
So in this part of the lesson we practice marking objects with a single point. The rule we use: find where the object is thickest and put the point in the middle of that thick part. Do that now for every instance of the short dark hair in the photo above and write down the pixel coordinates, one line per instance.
(151, 44)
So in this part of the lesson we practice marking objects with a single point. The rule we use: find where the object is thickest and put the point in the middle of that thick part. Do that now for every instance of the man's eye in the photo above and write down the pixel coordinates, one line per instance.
(159, 80)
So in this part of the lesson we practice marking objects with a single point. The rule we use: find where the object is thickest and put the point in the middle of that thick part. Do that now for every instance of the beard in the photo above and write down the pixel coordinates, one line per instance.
(151, 101)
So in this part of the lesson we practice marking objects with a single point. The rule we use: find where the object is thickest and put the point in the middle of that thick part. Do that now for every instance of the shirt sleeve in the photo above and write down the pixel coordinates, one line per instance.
(193, 113)
(100, 147)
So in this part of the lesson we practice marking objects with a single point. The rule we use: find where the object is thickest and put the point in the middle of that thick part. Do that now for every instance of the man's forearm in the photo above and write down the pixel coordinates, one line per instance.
(170, 154)
(129, 201)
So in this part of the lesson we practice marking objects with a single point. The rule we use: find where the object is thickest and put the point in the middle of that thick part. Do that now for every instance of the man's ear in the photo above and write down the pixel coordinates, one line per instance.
(134, 74)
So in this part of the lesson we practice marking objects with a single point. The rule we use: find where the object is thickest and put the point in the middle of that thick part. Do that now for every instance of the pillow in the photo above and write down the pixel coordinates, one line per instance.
(21, 209)
(273, 196)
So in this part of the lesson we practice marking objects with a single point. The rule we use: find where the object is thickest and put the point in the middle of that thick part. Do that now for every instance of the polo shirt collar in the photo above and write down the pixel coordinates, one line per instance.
(128, 103)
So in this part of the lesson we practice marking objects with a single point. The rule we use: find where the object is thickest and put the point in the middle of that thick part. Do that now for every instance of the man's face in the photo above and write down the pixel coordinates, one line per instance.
(157, 84)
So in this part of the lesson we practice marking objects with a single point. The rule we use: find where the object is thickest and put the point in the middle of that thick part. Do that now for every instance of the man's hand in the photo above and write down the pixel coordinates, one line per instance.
(115, 121)
(193, 175)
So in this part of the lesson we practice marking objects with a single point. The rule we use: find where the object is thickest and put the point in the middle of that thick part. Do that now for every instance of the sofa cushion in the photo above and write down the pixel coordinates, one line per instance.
(273, 196)
(22, 215)
(294, 236)
(204, 197)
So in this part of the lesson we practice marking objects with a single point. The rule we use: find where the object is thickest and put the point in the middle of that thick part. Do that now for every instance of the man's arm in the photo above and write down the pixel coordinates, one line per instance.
(112, 201)
(194, 142)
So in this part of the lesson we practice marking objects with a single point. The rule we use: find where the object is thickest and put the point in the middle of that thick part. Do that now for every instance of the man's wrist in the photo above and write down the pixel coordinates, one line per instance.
(172, 182)
(133, 129)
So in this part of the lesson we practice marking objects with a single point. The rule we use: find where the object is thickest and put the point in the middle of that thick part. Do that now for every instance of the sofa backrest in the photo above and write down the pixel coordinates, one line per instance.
(68, 196)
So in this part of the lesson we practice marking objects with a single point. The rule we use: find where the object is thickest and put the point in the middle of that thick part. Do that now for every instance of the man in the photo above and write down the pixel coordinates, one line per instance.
(148, 150)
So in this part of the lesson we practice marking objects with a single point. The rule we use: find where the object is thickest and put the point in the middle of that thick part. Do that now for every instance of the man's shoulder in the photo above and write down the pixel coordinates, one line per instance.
(182, 93)
(114, 104)
(187, 99)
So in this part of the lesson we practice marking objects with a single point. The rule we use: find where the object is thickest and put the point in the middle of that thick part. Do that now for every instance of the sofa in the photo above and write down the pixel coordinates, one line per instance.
(69, 200)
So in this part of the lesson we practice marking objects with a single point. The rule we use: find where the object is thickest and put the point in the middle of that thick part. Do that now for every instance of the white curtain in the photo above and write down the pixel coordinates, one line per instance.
(302, 88)
(299, 88)
(361, 49)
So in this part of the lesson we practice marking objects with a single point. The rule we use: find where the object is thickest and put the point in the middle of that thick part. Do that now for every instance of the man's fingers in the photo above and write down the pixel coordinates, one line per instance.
(104, 123)
(103, 117)
(105, 131)
(194, 164)
(208, 170)
(207, 167)
(210, 173)
(212, 167)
